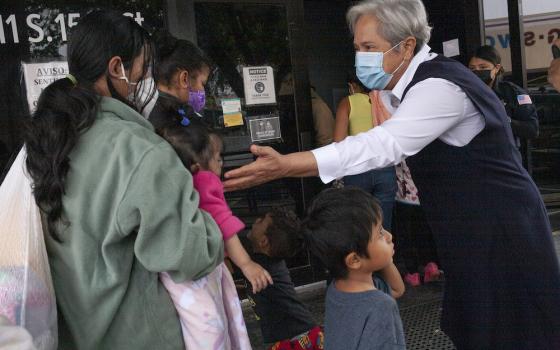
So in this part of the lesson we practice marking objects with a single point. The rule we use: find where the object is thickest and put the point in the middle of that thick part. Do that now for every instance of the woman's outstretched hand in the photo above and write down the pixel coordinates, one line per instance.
(269, 166)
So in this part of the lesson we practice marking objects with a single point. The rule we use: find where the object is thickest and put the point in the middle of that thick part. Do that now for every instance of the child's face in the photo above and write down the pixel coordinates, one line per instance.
(199, 79)
(257, 236)
(215, 164)
(380, 249)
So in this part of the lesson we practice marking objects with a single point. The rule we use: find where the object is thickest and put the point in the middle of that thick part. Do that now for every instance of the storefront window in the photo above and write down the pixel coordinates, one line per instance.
(242, 35)
(496, 28)
(541, 20)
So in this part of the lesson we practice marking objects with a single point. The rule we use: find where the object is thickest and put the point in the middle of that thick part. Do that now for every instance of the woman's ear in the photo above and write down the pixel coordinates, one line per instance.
(409, 46)
(353, 261)
(115, 68)
(498, 68)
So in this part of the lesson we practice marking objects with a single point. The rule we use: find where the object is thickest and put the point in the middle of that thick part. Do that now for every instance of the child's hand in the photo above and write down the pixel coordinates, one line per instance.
(259, 277)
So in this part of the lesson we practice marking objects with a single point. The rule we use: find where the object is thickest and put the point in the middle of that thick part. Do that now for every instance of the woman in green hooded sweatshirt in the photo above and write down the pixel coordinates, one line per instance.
(118, 206)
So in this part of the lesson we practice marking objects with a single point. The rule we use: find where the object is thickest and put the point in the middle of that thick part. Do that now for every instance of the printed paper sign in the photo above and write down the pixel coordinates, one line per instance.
(451, 48)
(231, 105)
(259, 85)
(40, 75)
(265, 128)
(232, 112)
(233, 119)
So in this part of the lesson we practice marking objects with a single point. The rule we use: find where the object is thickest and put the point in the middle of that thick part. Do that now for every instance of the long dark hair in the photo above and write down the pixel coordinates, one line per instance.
(65, 109)
(174, 55)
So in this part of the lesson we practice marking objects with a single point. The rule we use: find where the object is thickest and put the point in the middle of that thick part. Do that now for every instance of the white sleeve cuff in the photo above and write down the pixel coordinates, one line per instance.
(328, 162)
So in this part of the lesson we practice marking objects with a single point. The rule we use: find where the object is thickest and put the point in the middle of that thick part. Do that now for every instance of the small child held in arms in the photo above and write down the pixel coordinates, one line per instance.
(344, 230)
(283, 318)
(209, 308)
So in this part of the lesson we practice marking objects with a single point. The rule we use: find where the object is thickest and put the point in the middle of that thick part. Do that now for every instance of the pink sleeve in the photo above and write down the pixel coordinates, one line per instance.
(212, 200)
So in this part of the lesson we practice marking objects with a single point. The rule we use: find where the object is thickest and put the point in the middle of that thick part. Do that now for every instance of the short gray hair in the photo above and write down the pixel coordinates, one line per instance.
(397, 19)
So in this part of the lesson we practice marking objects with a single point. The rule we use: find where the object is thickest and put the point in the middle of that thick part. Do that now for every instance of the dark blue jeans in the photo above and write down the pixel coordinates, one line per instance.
(382, 184)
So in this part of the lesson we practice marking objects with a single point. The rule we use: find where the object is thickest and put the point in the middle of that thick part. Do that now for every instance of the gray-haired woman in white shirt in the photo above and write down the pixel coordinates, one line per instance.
(502, 274)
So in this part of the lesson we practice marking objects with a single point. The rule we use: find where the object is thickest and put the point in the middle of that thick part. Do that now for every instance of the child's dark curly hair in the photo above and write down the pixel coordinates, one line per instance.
(283, 233)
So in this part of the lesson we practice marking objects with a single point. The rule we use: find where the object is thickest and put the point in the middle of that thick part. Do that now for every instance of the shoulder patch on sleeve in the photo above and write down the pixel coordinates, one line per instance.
(524, 100)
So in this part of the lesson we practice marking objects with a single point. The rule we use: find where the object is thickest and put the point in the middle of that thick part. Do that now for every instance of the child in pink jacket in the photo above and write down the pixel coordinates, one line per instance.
(209, 308)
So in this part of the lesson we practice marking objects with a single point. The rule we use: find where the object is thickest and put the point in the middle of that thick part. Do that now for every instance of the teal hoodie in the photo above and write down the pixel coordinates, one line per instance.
(132, 213)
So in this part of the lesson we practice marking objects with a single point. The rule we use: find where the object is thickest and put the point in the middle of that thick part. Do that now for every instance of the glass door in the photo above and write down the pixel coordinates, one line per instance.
(252, 46)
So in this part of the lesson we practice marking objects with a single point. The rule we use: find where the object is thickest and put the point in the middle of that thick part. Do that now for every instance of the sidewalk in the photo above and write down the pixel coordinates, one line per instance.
(420, 309)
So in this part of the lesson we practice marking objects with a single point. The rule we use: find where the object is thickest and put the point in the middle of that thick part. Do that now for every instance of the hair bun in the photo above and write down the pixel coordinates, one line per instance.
(165, 43)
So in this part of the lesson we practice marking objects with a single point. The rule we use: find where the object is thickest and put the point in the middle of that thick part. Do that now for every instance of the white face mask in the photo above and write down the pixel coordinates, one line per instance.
(125, 78)
(130, 96)
(141, 93)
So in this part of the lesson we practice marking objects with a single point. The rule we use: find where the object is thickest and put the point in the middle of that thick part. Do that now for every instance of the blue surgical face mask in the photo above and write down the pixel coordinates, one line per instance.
(369, 69)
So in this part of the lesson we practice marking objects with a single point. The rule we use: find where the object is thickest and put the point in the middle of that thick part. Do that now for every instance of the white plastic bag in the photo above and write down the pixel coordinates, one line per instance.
(26, 292)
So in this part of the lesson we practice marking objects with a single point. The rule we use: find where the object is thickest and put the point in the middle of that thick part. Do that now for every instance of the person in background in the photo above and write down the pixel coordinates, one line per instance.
(415, 242)
(554, 69)
(523, 118)
(323, 119)
(283, 318)
(181, 75)
(117, 204)
(343, 228)
(353, 116)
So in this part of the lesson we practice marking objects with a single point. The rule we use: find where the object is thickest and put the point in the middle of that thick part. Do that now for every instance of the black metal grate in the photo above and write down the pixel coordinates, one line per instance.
(421, 327)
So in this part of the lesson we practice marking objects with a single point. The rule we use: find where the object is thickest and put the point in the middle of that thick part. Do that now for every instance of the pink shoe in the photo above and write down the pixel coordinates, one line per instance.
(431, 272)
(412, 279)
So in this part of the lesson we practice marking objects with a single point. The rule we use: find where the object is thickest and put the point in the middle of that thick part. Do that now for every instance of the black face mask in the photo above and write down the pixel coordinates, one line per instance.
(484, 75)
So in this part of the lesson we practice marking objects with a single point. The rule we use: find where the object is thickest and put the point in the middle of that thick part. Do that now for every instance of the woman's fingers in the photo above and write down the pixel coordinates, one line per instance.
(246, 170)
(267, 167)
(241, 178)
(260, 151)
(238, 184)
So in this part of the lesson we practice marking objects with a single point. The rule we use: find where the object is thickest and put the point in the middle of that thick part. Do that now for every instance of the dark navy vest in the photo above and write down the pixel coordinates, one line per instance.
(491, 229)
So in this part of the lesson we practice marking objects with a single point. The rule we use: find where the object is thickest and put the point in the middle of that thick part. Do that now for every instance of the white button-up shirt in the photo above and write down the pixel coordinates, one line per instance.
(433, 108)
